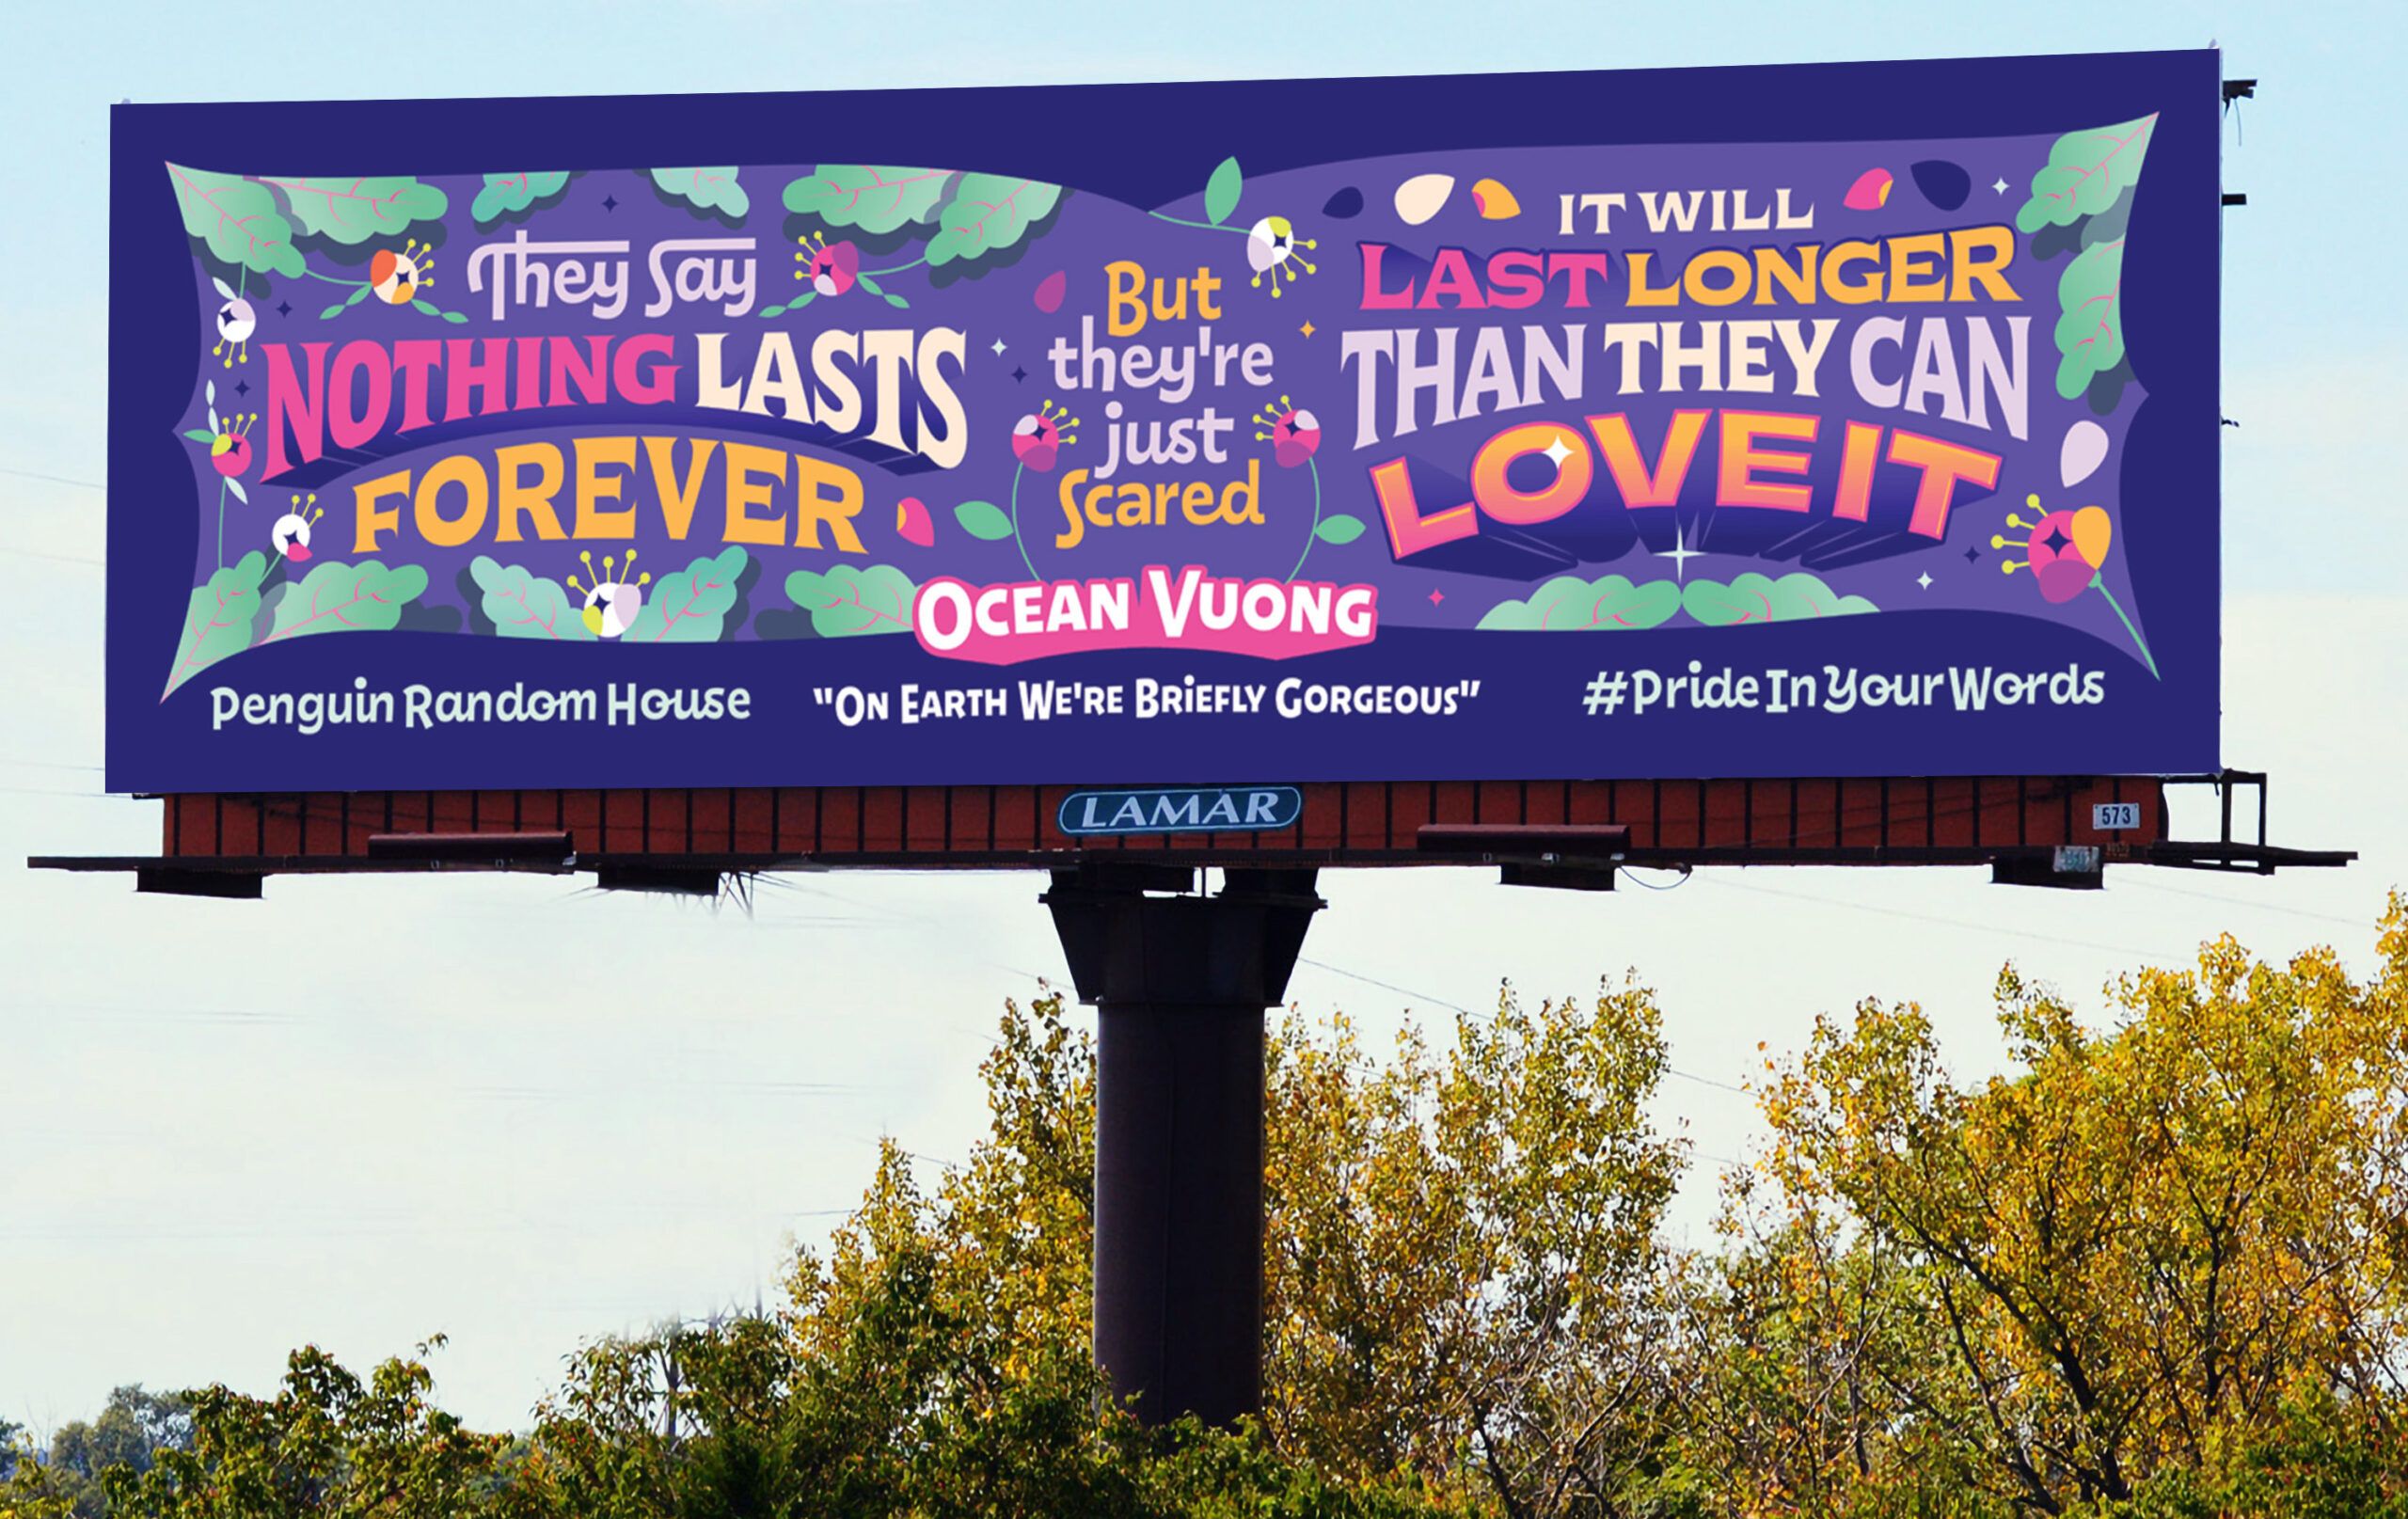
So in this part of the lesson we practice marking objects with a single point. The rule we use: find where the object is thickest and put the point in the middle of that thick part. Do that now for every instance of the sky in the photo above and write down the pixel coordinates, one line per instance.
(362, 1112)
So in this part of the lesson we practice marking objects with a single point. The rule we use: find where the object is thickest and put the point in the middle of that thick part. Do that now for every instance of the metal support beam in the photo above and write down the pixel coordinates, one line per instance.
(1179, 985)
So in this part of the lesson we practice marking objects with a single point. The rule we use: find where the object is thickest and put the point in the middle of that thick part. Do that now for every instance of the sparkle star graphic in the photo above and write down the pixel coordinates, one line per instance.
(1437, 597)
(610, 202)
(999, 347)
(1307, 328)
(1924, 579)
(1680, 554)
(2001, 185)
(284, 307)
(1972, 556)
(1555, 452)
(2056, 540)
(1019, 375)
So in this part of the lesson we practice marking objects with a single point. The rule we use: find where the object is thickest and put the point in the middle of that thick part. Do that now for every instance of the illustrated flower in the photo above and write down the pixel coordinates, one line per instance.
(1039, 436)
(1294, 433)
(2068, 550)
(612, 601)
(230, 445)
(235, 321)
(1270, 248)
(396, 277)
(832, 268)
(290, 536)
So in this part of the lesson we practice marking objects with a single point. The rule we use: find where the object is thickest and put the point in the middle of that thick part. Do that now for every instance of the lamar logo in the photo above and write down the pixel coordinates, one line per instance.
(1188, 810)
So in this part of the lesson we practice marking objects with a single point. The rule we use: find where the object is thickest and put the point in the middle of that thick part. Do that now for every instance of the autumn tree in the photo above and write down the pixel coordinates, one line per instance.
(2137, 1255)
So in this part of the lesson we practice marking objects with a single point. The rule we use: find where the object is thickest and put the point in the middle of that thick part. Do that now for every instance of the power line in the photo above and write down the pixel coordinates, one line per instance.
(1458, 1008)
(2057, 941)
(53, 480)
(57, 559)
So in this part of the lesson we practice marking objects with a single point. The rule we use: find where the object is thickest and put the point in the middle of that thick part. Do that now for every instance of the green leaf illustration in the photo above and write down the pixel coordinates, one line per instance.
(505, 192)
(237, 219)
(1221, 191)
(692, 605)
(2086, 174)
(844, 601)
(988, 214)
(983, 519)
(1338, 529)
(1569, 603)
(351, 211)
(714, 190)
(2090, 330)
(524, 605)
(1760, 598)
(334, 597)
(875, 198)
(217, 620)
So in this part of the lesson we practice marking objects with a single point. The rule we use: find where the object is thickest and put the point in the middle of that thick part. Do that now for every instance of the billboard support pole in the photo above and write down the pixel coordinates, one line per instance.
(1179, 984)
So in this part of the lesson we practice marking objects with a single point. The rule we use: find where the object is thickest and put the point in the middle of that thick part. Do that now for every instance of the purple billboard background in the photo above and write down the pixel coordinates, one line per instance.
(1527, 618)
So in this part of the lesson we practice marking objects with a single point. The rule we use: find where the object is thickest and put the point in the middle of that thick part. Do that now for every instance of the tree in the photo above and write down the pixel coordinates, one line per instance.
(2126, 1261)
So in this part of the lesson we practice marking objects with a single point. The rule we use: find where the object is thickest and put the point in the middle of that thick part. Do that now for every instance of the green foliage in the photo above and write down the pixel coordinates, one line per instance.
(691, 605)
(334, 597)
(984, 520)
(844, 601)
(988, 213)
(1569, 603)
(875, 198)
(237, 220)
(2087, 173)
(1339, 528)
(1222, 190)
(523, 605)
(351, 211)
(506, 193)
(712, 190)
(2090, 330)
(217, 619)
(1759, 599)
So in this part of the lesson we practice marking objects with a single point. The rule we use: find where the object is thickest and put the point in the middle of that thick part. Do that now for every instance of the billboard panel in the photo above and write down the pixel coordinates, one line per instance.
(1828, 420)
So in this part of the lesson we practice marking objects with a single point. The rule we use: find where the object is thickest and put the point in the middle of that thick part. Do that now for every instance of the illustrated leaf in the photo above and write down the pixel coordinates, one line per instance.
(1222, 190)
(1569, 603)
(2086, 174)
(1340, 529)
(237, 220)
(505, 192)
(1758, 598)
(353, 211)
(692, 605)
(714, 190)
(335, 310)
(223, 289)
(875, 198)
(358, 295)
(523, 605)
(334, 597)
(200, 434)
(217, 619)
(2090, 328)
(988, 214)
(983, 519)
(427, 306)
(239, 494)
(844, 601)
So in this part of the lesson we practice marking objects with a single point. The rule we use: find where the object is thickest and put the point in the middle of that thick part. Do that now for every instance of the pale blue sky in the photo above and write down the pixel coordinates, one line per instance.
(364, 1111)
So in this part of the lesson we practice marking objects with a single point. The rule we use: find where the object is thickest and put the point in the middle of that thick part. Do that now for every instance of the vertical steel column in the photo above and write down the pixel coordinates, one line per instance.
(1179, 984)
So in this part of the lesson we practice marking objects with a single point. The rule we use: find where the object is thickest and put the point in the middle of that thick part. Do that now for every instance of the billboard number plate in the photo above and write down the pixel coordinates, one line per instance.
(2115, 817)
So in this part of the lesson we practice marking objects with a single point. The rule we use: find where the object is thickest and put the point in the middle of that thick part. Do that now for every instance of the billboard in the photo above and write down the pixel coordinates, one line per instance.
(1818, 420)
